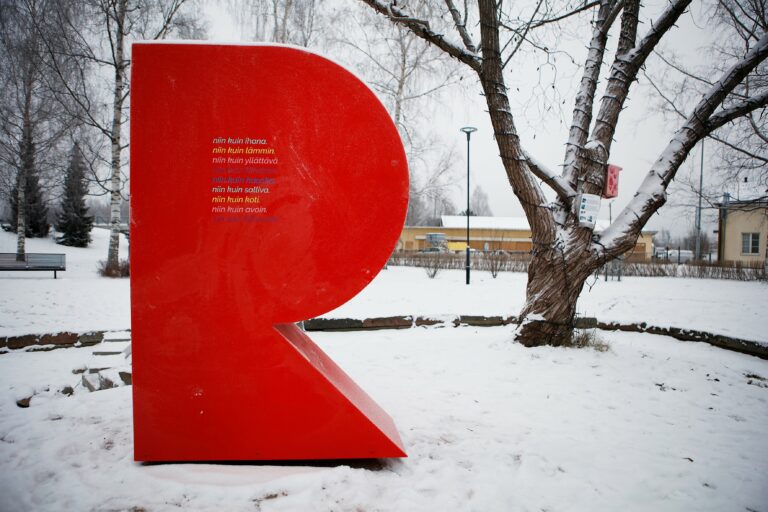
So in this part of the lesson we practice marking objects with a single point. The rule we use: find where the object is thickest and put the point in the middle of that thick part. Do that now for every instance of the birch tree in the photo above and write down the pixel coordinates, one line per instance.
(100, 51)
(479, 204)
(30, 124)
(564, 253)
(278, 21)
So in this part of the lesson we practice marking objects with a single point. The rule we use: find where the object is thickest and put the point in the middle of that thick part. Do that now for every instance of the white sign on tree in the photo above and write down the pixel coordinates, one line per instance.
(589, 207)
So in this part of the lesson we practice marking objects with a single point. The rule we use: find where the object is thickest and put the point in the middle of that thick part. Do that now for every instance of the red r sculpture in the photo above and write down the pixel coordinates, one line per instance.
(268, 186)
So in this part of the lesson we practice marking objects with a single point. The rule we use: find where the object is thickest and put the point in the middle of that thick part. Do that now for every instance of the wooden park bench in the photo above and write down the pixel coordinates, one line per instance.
(33, 261)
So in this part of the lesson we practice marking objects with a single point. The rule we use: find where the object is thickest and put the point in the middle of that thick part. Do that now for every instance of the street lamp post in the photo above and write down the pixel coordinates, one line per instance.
(698, 210)
(468, 130)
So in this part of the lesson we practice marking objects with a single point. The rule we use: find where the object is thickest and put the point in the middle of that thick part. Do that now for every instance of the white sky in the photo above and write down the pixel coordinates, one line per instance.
(641, 136)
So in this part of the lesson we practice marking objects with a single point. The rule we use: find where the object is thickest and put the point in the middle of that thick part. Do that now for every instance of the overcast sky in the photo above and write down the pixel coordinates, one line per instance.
(641, 136)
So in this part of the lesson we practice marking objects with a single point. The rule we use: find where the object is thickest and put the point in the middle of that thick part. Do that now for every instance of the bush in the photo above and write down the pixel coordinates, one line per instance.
(434, 262)
(123, 269)
(588, 338)
(495, 261)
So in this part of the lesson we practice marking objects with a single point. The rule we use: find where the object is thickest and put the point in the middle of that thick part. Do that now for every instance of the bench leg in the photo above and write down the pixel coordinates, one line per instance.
(54, 274)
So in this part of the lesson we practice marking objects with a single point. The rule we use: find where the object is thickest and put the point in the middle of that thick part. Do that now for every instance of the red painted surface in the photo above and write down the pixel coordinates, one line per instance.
(219, 370)
(611, 187)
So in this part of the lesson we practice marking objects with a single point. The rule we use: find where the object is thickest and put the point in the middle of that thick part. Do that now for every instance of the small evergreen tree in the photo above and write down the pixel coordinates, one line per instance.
(73, 222)
(36, 212)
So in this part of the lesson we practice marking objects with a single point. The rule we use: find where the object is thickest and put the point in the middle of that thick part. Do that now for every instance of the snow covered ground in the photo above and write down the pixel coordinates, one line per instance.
(80, 300)
(650, 425)
(732, 308)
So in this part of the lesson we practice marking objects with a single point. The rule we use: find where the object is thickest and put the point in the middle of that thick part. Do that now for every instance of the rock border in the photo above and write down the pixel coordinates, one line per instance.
(743, 346)
(40, 342)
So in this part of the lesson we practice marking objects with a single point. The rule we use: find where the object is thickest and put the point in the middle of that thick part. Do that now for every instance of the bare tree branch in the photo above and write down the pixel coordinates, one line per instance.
(523, 35)
(582, 110)
(620, 236)
(749, 154)
(738, 110)
(461, 26)
(553, 180)
(421, 29)
(625, 68)
(523, 185)
(587, 6)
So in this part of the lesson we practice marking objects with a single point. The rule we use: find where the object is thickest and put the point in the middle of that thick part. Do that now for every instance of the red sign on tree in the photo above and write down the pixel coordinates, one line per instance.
(611, 187)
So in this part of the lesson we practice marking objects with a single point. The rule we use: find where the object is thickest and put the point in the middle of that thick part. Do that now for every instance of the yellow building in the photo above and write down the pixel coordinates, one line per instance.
(742, 230)
(511, 234)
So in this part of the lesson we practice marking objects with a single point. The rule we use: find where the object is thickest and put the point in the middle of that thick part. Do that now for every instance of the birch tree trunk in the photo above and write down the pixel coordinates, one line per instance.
(26, 153)
(113, 254)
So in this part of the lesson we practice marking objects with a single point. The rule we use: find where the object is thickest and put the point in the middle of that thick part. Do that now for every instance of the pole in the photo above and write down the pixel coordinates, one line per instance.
(698, 210)
(467, 212)
(468, 130)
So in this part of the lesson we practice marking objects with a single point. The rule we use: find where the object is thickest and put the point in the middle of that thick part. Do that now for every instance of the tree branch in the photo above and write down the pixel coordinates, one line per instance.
(734, 147)
(585, 7)
(522, 36)
(625, 68)
(461, 26)
(421, 29)
(168, 19)
(556, 182)
(519, 174)
(621, 235)
(740, 109)
(585, 97)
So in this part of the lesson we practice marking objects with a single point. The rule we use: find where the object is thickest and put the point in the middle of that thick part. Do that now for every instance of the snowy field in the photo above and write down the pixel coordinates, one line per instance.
(79, 300)
(652, 424)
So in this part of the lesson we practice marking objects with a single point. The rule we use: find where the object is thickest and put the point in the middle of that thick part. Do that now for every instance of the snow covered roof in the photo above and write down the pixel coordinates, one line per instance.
(511, 223)
(735, 203)
(460, 221)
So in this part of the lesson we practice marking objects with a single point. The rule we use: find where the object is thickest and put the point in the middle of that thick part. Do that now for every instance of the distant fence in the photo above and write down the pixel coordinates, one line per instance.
(703, 270)
(495, 262)
(502, 262)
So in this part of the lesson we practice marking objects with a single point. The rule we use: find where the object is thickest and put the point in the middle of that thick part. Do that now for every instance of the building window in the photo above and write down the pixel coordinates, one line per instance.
(750, 243)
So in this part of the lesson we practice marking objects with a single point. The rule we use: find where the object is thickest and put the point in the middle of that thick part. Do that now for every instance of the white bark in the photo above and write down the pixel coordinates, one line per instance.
(113, 254)
(21, 215)
(21, 193)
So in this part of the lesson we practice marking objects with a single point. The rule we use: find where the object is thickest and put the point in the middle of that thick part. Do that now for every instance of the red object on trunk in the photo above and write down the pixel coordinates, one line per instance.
(268, 186)
(611, 188)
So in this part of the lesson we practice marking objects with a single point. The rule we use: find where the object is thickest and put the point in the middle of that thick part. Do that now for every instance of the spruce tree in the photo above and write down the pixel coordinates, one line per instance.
(35, 209)
(73, 222)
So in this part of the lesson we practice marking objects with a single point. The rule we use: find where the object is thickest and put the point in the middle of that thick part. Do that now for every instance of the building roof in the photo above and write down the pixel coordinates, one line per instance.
(510, 223)
(761, 201)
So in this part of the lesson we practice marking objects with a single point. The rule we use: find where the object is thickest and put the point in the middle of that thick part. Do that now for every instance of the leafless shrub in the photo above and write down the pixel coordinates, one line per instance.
(588, 338)
(494, 262)
(122, 270)
(434, 262)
